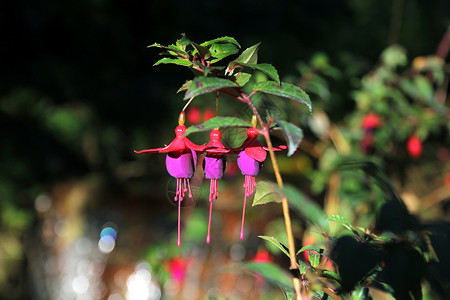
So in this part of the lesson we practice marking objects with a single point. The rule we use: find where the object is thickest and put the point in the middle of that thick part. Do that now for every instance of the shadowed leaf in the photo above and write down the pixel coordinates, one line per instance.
(204, 85)
(291, 133)
(285, 90)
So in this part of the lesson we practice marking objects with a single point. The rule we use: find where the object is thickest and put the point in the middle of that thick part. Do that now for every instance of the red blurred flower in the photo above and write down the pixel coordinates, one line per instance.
(414, 146)
(263, 256)
(371, 121)
(193, 115)
(177, 269)
(208, 114)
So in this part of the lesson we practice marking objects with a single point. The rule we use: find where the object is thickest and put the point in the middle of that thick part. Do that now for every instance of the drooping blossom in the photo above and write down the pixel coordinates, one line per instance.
(214, 166)
(181, 162)
(250, 160)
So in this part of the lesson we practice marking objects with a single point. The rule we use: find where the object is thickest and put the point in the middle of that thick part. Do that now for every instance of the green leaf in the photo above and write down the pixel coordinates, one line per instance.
(220, 51)
(310, 210)
(185, 86)
(285, 90)
(173, 50)
(217, 122)
(307, 208)
(331, 275)
(314, 259)
(242, 78)
(184, 41)
(310, 248)
(202, 51)
(267, 69)
(266, 192)
(271, 272)
(303, 266)
(343, 221)
(221, 40)
(176, 61)
(276, 243)
(248, 56)
(203, 85)
(292, 134)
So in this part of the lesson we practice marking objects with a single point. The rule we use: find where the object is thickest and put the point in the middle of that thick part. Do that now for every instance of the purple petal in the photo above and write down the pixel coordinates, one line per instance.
(214, 166)
(248, 165)
(182, 166)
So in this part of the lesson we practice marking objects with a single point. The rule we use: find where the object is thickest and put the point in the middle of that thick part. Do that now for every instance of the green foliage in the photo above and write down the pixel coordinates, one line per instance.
(204, 85)
(271, 273)
(285, 90)
(218, 122)
(275, 242)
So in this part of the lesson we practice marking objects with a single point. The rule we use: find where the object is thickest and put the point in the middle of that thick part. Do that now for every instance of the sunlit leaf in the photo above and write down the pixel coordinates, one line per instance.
(310, 248)
(220, 51)
(185, 86)
(176, 61)
(276, 243)
(267, 69)
(343, 221)
(218, 122)
(291, 133)
(173, 50)
(314, 258)
(221, 40)
(248, 56)
(266, 192)
(331, 275)
(203, 85)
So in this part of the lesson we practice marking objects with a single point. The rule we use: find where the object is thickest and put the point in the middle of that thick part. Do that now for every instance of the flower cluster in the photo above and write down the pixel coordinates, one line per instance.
(181, 162)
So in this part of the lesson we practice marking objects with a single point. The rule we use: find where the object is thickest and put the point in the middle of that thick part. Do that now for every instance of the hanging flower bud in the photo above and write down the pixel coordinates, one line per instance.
(250, 161)
(181, 161)
(214, 166)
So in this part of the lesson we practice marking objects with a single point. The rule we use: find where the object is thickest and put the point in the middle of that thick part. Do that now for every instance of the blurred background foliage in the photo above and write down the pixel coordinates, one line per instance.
(78, 92)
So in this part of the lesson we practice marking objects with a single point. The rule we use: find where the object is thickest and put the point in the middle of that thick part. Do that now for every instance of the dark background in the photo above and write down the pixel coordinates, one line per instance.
(78, 91)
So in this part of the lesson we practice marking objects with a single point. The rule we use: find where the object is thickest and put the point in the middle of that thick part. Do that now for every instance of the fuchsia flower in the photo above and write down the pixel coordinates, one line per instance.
(214, 166)
(250, 161)
(181, 162)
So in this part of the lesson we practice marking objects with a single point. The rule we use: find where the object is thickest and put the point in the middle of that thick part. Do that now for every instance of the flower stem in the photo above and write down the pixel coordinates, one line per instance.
(284, 202)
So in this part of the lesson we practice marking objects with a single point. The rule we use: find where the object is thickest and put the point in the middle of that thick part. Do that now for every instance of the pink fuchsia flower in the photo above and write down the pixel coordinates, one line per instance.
(181, 162)
(250, 160)
(214, 166)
